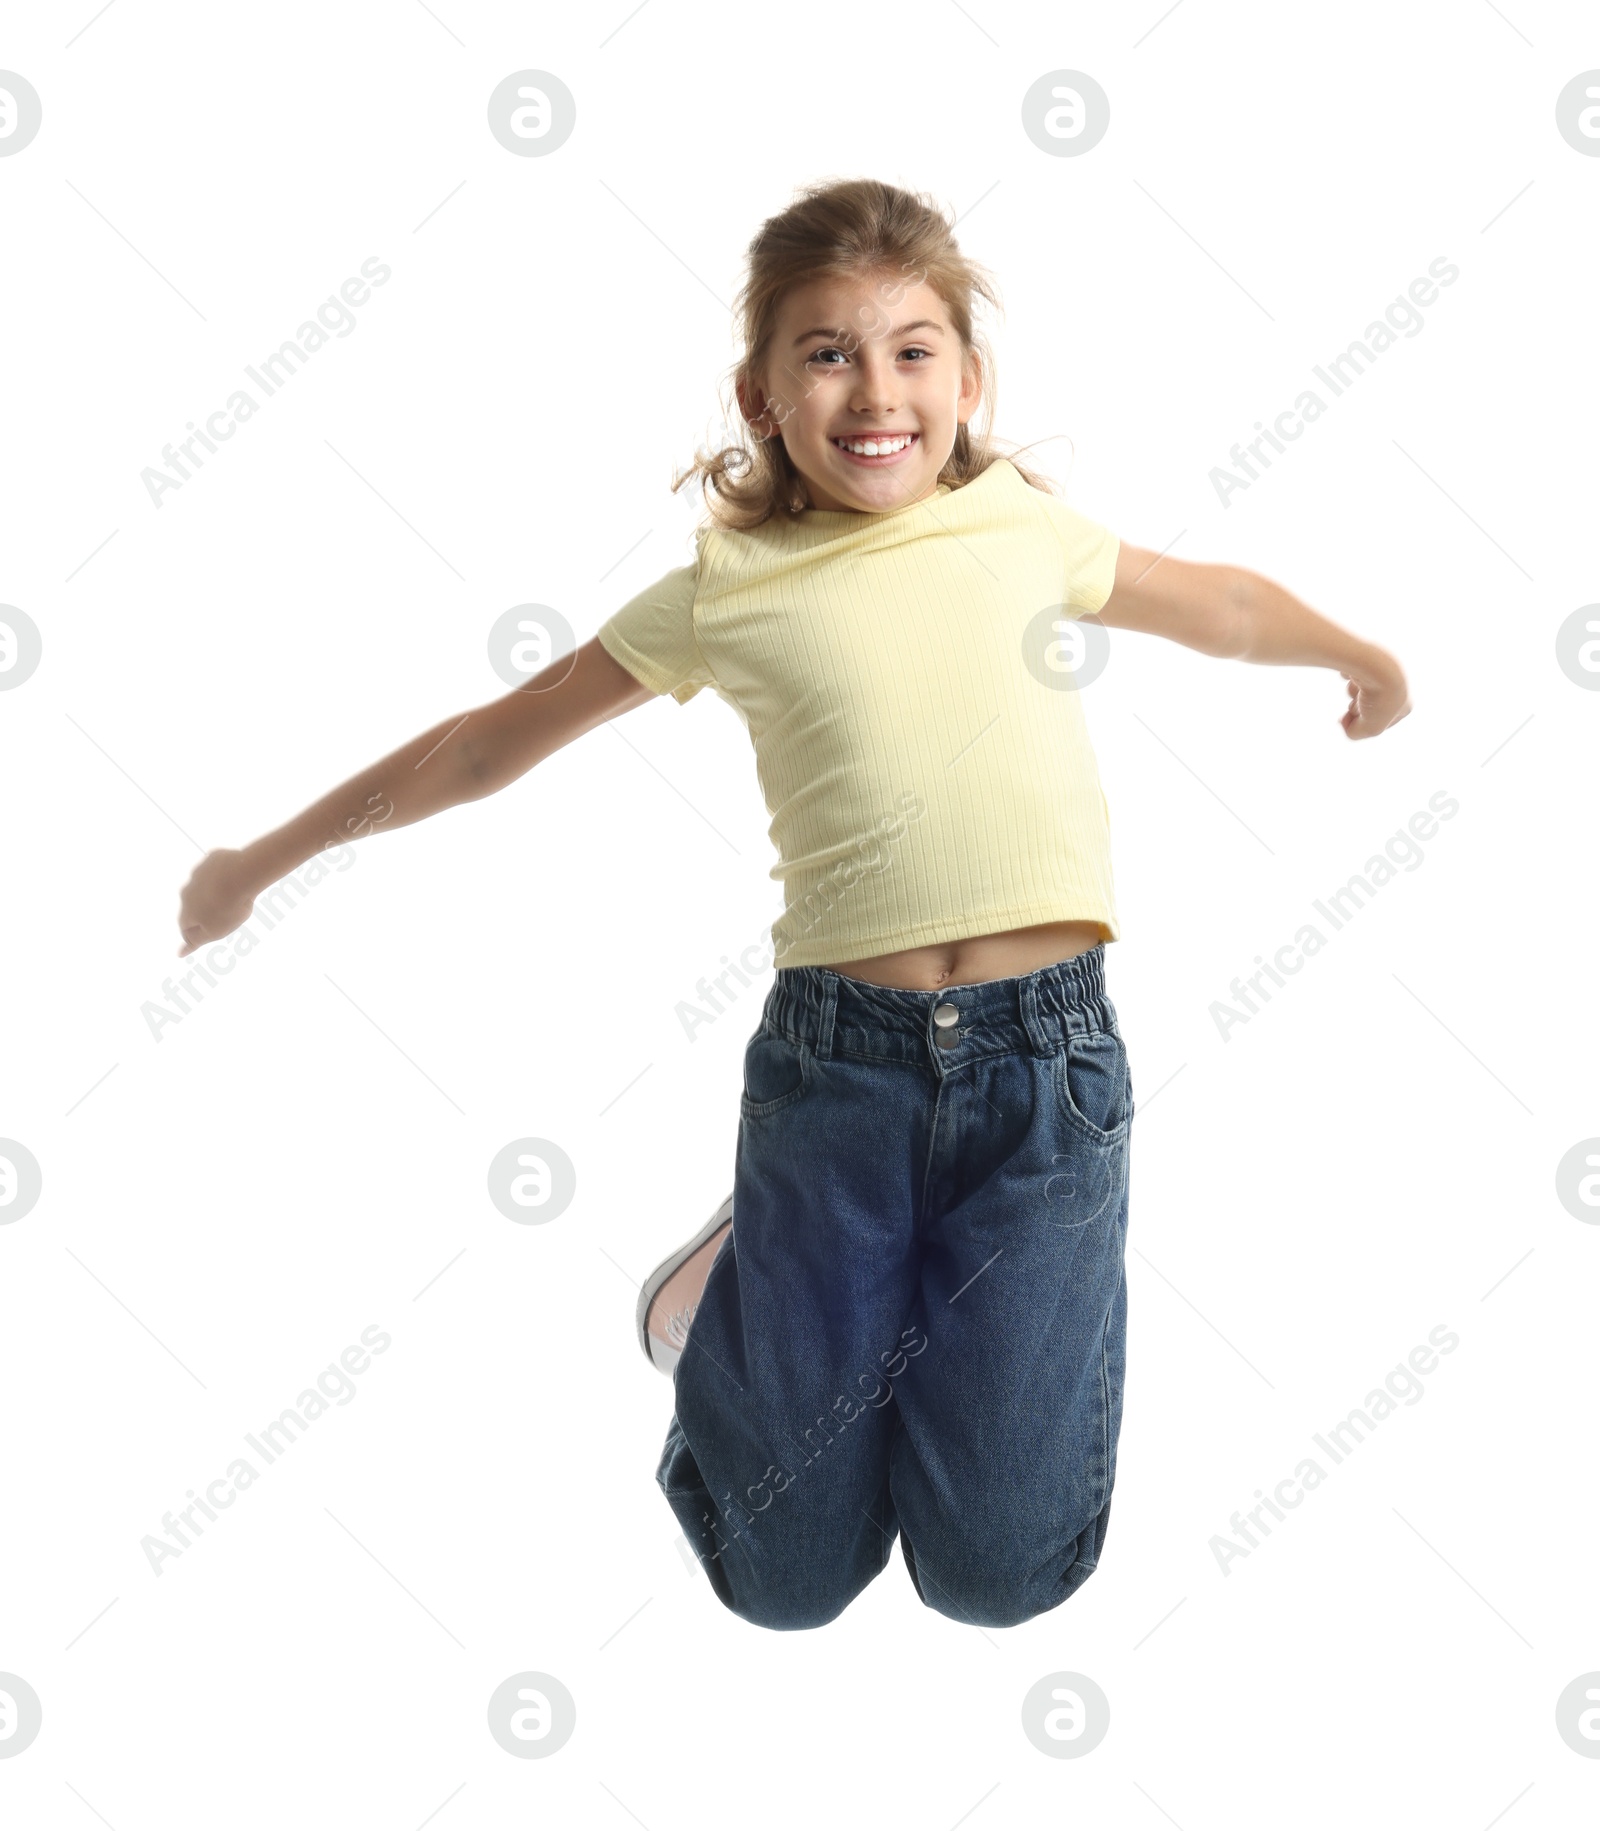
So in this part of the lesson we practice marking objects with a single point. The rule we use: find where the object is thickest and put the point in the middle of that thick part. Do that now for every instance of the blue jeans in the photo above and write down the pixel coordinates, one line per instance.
(916, 1324)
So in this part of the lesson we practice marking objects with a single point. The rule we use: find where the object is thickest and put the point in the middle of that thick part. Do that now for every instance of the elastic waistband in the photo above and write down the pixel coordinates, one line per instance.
(833, 1014)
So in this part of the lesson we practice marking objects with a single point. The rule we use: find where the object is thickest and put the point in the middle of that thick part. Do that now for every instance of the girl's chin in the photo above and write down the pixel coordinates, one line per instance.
(883, 487)
(869, 501)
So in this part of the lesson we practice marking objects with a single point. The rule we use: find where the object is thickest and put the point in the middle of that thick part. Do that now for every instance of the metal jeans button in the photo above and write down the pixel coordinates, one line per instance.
(945, 1014)
(947, 1039)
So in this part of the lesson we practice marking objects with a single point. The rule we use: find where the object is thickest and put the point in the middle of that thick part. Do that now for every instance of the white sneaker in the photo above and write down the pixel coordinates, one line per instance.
(671, 1294)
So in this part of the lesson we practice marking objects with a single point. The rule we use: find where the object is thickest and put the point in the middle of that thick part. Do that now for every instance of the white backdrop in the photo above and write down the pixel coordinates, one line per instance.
(1391, 1146)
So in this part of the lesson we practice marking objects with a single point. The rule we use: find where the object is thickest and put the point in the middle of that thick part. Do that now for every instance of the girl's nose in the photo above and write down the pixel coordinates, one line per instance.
(876, 393)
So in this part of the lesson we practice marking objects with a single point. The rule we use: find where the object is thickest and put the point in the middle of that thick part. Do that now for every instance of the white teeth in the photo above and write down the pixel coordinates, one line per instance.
(874, 448)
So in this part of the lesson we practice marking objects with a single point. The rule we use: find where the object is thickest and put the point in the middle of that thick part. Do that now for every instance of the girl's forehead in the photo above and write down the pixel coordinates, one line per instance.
(836, 299)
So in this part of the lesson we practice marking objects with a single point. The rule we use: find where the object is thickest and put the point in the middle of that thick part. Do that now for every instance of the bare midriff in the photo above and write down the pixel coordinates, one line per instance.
(974, 958)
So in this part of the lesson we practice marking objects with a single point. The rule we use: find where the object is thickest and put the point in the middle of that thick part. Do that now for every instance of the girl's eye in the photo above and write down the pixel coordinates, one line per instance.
(834, 350)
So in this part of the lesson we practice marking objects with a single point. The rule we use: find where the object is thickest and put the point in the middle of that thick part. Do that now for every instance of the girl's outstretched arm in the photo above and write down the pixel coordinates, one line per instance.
(1239, 615)
(462, 758)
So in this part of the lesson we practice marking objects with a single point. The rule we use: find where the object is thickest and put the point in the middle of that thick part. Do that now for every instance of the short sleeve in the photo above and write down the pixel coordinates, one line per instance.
(652, 635)
(1089, 555)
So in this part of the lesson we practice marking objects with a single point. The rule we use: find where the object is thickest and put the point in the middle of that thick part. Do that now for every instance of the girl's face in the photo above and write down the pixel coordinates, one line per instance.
(853, 358)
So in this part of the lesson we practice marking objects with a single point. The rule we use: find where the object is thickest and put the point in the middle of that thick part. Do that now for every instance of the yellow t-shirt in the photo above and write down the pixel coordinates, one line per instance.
(922, 752)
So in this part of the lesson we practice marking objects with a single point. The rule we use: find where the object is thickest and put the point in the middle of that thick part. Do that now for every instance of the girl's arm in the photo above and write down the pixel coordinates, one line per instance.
(462, 758)
(1226, 611)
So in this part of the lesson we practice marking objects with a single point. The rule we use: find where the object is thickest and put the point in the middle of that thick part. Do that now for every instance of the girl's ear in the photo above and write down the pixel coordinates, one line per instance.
(971, 395)
(752, 404)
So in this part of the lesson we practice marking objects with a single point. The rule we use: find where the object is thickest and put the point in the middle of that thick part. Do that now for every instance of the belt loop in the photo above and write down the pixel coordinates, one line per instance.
(1039, 1033)
(830, 1002)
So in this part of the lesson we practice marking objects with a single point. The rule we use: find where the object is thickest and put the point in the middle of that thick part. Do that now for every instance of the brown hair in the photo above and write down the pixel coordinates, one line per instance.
(855, 228)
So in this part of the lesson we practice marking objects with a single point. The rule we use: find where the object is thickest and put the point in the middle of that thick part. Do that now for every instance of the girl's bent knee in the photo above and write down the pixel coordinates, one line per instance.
(775, 1600)
(788, 1615)
(999, 1598)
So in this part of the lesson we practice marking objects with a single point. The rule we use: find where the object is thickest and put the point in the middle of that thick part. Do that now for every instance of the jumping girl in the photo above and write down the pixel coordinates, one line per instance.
(909, 1317)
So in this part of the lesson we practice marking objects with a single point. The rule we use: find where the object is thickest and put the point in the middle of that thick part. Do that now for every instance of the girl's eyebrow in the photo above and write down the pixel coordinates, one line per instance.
(900, 330)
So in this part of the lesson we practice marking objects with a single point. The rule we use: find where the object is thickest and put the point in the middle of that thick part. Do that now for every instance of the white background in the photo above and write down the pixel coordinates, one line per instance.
(224, 1210)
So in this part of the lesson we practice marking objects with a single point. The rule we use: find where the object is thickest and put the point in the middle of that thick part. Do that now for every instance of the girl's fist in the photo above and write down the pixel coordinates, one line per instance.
(217, 898)
(1378, 699)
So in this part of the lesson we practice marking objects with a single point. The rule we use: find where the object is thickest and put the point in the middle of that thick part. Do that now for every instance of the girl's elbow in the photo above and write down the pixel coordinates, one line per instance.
(1236, 613)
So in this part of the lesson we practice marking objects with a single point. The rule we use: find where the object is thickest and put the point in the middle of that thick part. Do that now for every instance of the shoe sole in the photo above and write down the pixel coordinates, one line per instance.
(664, 1271)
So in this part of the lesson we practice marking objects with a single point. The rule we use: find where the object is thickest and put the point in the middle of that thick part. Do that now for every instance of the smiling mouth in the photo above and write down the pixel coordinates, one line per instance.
(886, 448)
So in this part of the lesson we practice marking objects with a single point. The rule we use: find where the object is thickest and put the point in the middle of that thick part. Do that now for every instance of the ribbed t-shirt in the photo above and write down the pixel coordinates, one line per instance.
(905, 680)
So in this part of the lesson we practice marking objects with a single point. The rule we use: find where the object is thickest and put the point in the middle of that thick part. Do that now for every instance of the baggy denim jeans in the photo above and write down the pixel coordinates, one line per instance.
(916, 1325)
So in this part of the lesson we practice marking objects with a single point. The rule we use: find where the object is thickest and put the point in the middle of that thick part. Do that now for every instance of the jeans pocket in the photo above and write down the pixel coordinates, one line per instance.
(1093, 1085)
(776, 1072)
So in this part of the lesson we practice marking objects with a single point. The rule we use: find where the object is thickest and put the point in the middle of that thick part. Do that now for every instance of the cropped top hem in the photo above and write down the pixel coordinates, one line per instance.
(951, 929)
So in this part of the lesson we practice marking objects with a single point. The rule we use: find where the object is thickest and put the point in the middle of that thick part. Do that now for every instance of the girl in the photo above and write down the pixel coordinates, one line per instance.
(908, 1319)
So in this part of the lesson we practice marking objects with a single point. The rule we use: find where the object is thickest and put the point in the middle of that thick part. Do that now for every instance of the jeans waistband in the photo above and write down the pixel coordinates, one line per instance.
(833, 1014)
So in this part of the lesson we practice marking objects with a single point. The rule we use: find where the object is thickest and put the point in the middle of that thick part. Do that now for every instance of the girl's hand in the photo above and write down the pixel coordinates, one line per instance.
(218, 897)
(1378, 697)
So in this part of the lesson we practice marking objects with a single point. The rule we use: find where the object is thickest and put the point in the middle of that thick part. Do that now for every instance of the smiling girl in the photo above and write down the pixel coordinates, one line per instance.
(909, 1317)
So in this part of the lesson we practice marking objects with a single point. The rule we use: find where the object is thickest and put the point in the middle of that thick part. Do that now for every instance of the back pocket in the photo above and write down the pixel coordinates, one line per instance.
(775, 1073)
(1094, 1088)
